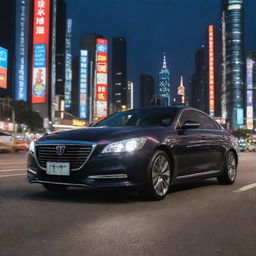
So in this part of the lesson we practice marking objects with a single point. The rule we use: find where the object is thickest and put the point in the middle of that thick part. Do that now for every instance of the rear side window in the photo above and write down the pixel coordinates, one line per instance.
(186, 115)
(206, 122)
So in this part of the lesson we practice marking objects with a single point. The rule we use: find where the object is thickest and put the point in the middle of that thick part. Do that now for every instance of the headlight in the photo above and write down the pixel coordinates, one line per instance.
(125, 145)
(32, 146)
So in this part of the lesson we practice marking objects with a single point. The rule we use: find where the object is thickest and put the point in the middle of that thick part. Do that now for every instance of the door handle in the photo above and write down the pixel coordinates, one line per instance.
(203, 137)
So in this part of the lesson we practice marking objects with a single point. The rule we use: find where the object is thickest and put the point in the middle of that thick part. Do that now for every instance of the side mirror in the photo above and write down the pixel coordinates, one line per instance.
(190, 125)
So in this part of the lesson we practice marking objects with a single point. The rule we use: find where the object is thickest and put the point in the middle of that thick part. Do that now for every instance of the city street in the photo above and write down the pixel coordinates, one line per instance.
(202, 218)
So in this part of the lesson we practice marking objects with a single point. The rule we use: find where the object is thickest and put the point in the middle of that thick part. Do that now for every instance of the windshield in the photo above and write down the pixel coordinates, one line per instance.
(139, 117)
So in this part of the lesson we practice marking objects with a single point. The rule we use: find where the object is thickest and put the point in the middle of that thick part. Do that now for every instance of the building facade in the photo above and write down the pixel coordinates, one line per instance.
(119, 74)
(18, 15)
(90, 76)
(251, 90)
(205, 85)
(199, 82)
(147, 90)
(233, 65)
(68, 67)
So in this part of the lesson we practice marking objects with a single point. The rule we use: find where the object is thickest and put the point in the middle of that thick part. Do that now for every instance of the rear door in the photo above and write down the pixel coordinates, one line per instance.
(189, 147)
(215, 139)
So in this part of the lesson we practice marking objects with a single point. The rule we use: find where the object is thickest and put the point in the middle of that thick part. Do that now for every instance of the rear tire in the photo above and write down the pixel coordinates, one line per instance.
(55, 188)
(158, 176)
(229, 173)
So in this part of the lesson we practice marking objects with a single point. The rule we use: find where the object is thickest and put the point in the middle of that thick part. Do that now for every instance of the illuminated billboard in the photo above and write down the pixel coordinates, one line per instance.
(249, 93)
(239, 116)
(21, 49)
(68, 65)
(40, 50)
(83, 91)
(3, 67)
(211, 69)
(101, 78)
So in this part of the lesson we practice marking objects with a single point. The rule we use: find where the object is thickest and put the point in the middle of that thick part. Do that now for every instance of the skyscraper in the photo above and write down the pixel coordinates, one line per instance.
(87, 43)
(199, 82)
(48, 60)
(119, 73)
(61, 17)
(92, 87)
(205, 85)
(147, 90)
(15, 39)
(233, 72)
(164, 84)
(181, 91)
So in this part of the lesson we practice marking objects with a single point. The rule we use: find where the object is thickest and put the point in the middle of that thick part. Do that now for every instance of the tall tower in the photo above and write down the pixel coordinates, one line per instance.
(181, 91)
(233, 73)
(164, 84)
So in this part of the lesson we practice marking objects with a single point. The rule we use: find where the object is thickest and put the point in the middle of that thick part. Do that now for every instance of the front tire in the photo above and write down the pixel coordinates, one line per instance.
(158, 176)
(55, 188)
(229, 173)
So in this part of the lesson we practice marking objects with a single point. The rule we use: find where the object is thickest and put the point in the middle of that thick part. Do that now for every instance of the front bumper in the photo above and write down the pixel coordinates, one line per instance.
(100, 171)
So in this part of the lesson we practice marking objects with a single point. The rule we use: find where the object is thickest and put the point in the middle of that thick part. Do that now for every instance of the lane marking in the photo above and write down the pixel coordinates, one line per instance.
(12, 170)
(11, 175)
(245, 188)
(14, 162)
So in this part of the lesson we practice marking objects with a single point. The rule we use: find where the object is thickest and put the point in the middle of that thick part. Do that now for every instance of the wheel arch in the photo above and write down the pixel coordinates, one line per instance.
(170, 155)
(236, 155)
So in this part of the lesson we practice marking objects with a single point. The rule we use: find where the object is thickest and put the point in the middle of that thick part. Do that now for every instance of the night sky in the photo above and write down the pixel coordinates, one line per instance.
(151, 27)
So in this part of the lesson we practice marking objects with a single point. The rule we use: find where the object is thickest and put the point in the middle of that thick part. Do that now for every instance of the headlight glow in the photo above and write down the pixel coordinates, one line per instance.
(125, 145)
(32, 146)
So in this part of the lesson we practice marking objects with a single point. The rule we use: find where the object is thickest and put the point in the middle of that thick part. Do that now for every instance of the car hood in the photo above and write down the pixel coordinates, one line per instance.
(103, 135)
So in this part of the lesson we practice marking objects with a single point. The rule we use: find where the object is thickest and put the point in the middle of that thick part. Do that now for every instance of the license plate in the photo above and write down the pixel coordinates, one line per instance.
(58, 168)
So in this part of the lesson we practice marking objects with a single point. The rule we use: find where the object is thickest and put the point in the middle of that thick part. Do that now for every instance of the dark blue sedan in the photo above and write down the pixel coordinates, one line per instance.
(147, 149)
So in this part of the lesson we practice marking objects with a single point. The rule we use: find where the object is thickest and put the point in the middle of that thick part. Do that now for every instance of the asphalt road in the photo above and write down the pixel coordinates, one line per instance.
(202, 218)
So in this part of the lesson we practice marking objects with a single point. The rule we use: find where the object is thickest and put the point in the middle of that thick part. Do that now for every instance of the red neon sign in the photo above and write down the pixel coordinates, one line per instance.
(40, 50)
(211, 70)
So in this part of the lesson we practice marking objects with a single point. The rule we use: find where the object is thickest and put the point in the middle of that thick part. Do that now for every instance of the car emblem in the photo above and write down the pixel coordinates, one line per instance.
(60, 150)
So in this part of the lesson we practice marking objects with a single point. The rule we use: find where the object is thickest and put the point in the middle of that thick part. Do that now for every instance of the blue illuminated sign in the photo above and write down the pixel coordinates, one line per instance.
(83, 91)
(3, 58)
(102, 48)
(239, 116)
(21, 50)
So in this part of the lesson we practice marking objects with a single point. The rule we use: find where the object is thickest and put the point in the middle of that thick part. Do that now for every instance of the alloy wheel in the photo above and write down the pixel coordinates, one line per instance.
(161, 175)
(231, 166)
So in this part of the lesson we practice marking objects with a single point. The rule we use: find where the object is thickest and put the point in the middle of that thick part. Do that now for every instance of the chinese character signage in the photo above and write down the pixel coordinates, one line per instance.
(3, 67)
(249, 94)
(83, 84)
(101, 78)
(21, 47)
(41, 46)
(211, 69)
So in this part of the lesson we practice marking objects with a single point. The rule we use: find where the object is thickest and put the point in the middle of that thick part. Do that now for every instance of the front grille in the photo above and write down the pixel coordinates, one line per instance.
(76, 155)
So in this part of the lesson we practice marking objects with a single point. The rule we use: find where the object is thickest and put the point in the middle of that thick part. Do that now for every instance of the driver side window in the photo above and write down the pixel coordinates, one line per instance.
(186, 115)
